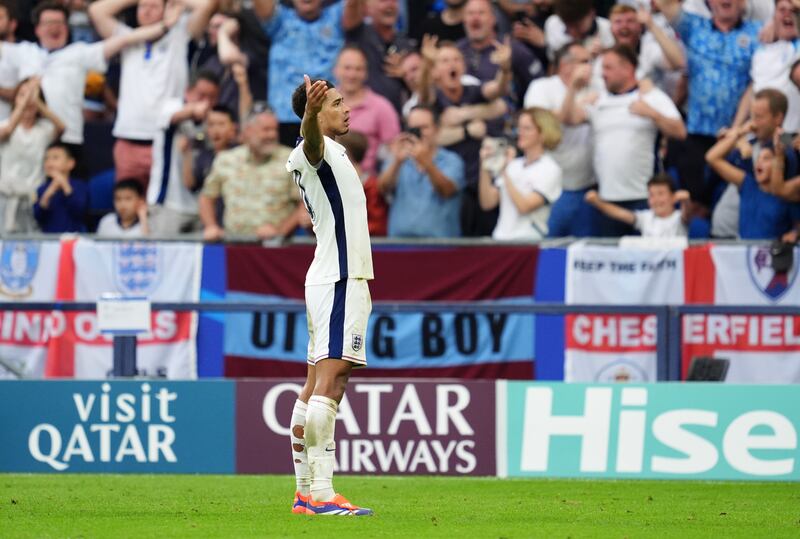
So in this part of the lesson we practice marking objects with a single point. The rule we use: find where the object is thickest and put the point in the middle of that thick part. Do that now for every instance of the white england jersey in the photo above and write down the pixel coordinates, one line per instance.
(334, 197)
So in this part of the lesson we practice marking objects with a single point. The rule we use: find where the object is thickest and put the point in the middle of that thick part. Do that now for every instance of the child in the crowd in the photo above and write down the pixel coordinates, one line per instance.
(62, 202)
(662, 220)
(762, 214)
(25, 136)
(129, 219)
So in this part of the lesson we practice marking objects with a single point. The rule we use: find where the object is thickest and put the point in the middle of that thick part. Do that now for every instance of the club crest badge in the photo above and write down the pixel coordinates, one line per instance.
(19, 261)
(137, 268)
(358, 342)
(773, 285)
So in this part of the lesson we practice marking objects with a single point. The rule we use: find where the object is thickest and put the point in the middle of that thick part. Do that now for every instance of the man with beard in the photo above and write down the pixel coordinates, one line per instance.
(625, 122)
(577, 21)
(767, 112)
(659, 54)
(383, 47)
(260, 197)
(478, 47)
(463, 115)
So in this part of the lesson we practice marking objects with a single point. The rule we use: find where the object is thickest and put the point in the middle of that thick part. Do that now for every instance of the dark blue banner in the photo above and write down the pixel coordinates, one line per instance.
(140, 427)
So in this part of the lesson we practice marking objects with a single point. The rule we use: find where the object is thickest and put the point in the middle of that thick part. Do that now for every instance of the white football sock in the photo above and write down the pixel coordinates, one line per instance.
(320, 424)
(299, 453)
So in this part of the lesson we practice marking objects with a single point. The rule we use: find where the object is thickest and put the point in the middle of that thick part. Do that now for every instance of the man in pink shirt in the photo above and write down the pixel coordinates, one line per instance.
(370, 114)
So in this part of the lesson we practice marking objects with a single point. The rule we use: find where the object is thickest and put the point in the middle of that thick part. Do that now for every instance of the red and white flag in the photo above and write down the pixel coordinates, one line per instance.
(761, 348)
(614, 347)
(69, 344)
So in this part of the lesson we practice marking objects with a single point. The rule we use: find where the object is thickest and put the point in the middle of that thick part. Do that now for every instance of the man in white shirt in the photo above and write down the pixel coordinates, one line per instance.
(577, 21)
(173, 205)
(63, 67)
(625, 123)
(152, 72)
(570, 215)
(9, 73)
(337, 296)
(661, 57)
(772, 62)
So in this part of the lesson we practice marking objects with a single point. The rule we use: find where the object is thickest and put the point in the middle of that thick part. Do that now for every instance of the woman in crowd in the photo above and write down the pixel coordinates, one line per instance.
(526, 186)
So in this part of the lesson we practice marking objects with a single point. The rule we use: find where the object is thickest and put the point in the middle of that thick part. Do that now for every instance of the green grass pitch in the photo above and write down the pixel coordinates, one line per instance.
(144, 506)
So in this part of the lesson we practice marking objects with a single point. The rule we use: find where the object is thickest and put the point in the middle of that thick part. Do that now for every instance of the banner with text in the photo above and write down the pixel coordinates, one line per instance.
(616, 347)
(458, 344)
(388, 426)
(761, 348)
(664, 431)
(113, 427)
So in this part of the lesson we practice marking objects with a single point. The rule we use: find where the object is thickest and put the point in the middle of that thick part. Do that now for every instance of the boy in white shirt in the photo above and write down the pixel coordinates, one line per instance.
(129, 219)
(662, 220)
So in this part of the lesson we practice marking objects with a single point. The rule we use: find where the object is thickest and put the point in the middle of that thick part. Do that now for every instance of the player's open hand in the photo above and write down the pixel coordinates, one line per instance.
(591, 196)
(315, 95)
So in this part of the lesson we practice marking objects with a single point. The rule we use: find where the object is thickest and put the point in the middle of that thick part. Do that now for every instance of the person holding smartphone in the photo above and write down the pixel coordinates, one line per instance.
(422, 181)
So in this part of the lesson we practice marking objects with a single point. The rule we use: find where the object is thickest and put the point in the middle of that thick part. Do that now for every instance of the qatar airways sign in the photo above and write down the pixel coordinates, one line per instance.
(382, 427)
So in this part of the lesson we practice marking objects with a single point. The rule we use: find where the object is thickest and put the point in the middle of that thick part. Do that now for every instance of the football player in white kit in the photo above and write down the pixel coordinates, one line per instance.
(337, 296)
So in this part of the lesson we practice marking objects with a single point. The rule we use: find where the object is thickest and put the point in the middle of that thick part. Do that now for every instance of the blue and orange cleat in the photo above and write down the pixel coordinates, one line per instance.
(300, 505)
(338, 506)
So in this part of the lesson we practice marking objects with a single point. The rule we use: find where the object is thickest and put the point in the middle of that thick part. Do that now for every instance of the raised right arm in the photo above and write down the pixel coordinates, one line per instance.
(103, 14)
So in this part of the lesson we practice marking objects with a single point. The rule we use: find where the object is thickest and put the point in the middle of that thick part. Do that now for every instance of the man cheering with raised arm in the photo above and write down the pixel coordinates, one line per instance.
(337, 296)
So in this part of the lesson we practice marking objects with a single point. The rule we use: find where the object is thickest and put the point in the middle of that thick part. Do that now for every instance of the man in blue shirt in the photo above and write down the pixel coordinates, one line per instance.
(718, 51)
(424, 182)
(305, 40)
(62, 203)
(762, 214)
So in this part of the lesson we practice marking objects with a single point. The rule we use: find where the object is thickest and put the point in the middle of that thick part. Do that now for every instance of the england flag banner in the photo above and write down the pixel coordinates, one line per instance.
(617, 347)
(160, 272)
(761, 348)
(28, 272)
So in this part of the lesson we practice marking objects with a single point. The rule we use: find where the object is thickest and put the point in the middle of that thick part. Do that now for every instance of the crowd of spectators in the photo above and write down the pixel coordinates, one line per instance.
(514, 119)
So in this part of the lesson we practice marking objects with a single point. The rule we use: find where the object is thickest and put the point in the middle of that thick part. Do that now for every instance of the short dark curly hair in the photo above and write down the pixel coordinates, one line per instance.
(299, 97)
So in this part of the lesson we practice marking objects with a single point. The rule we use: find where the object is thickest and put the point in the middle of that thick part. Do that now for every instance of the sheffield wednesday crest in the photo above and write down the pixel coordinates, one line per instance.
(19, 261)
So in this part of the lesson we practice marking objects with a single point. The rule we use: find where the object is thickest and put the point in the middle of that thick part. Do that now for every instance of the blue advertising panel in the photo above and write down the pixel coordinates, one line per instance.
(117, 427)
